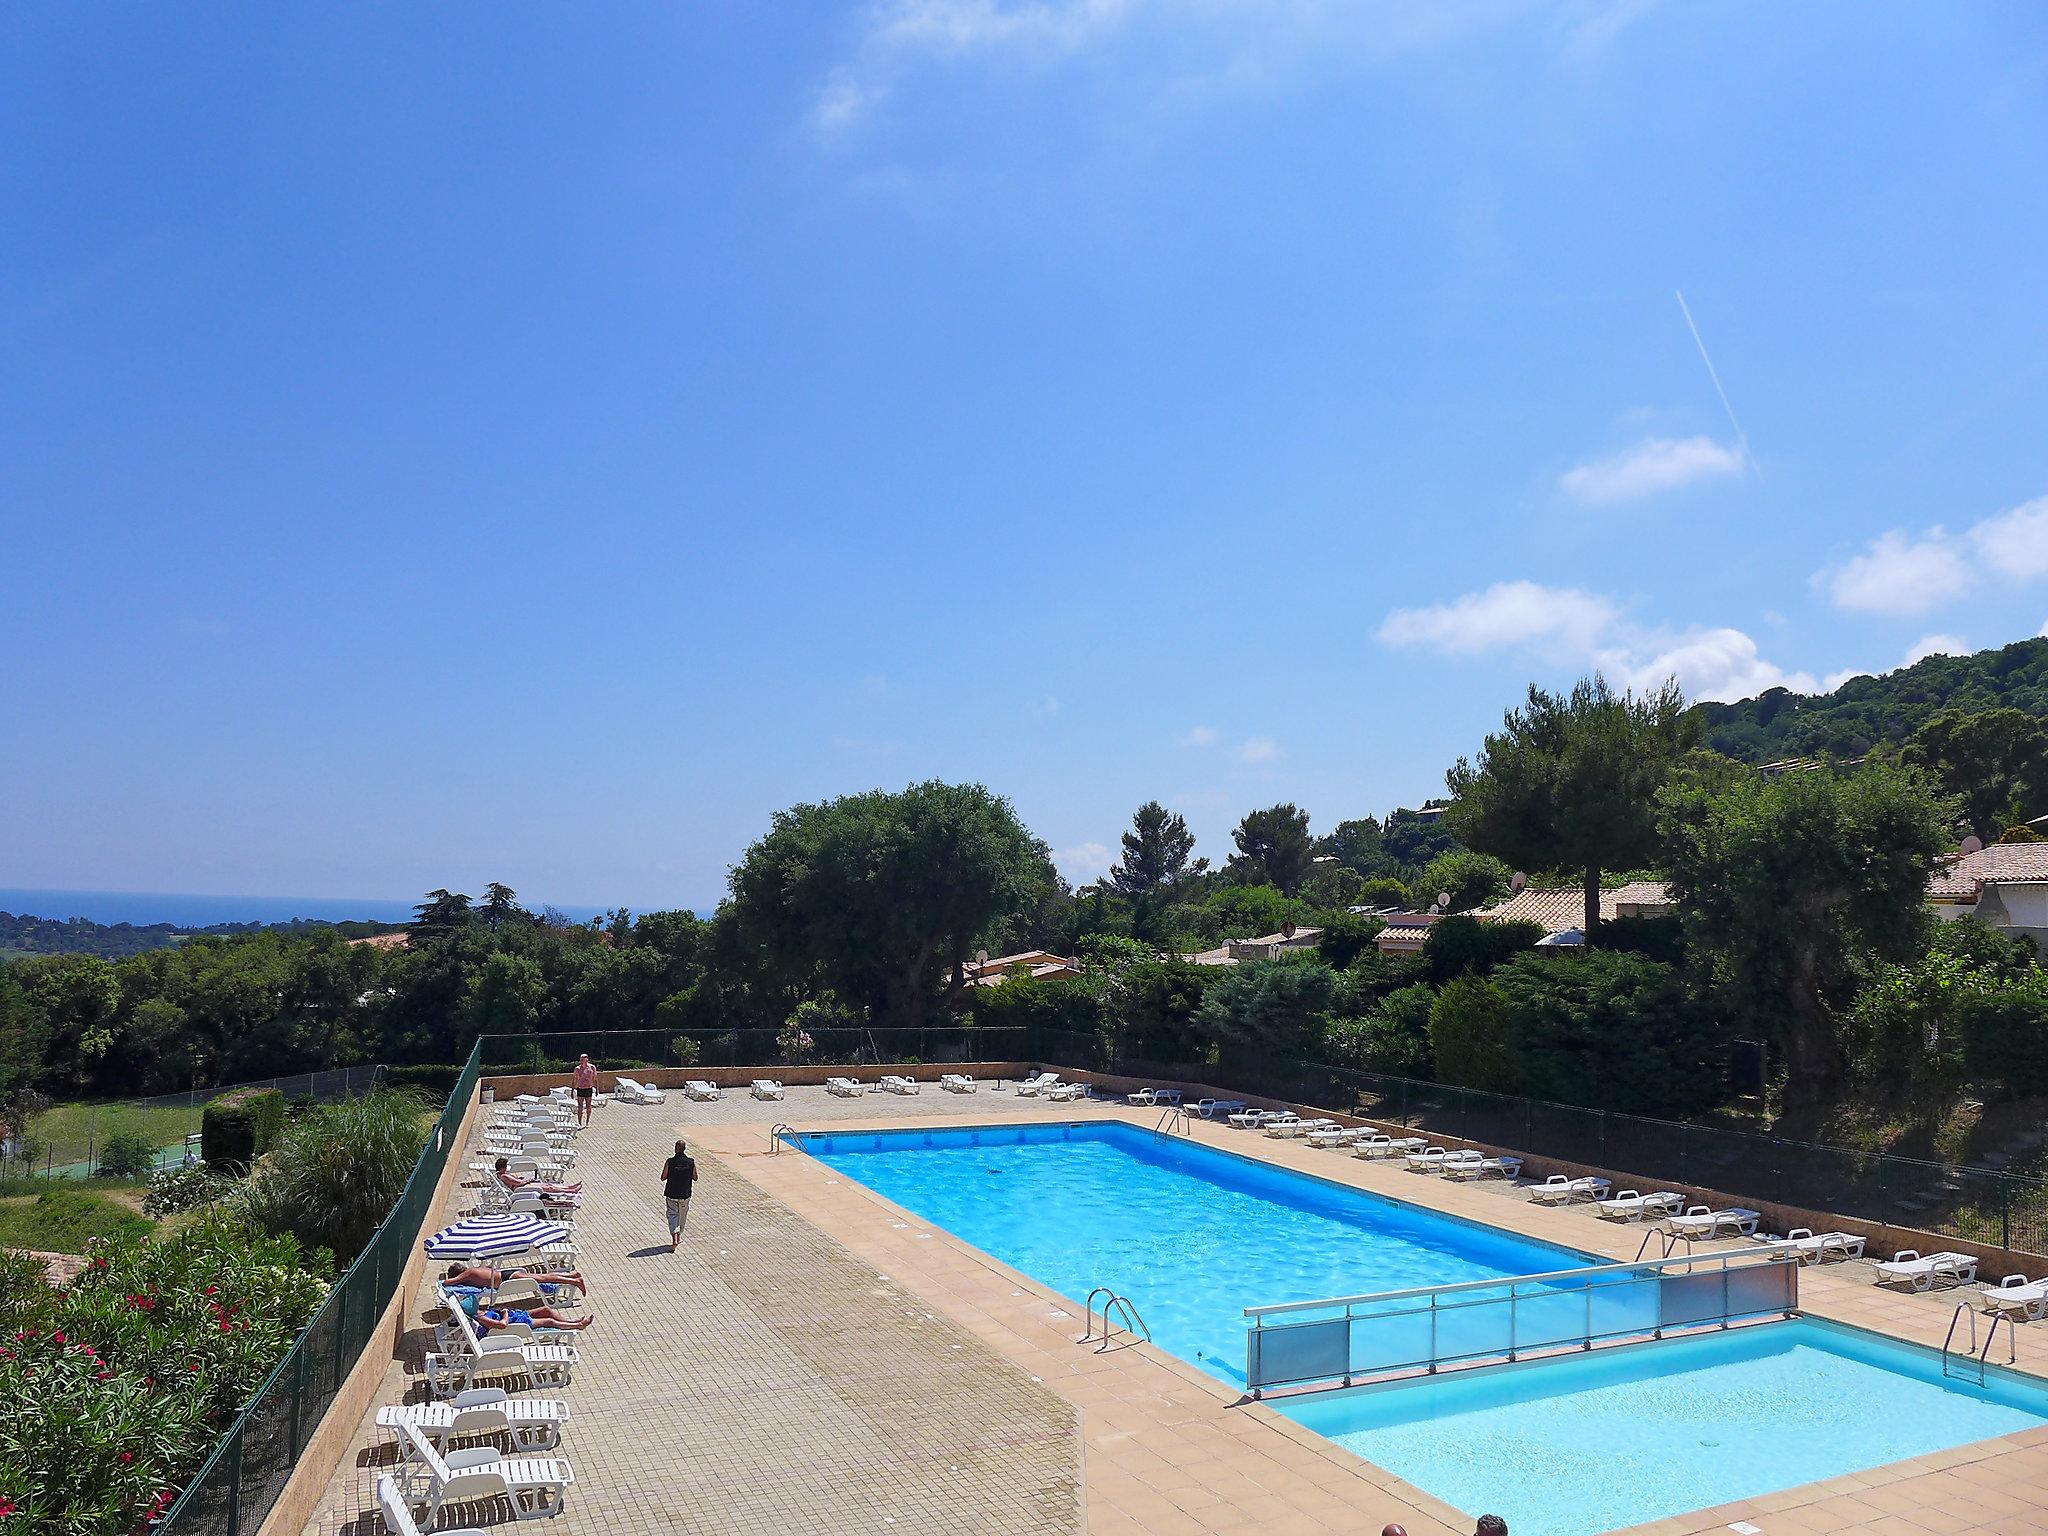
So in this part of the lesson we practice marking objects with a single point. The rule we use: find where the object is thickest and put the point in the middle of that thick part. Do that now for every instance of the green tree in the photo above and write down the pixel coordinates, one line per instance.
(440, 917)
(1570, 782)
(1783, 880)
(1273, 848)
(500, 907)
(1413, 839)
(1359, 846)
(1615, 1031)
(506, 997)
(1469, 1037)
(880, 897)
(1158, 855)
(1469, 879)
(1996, 762)
(1460, 945)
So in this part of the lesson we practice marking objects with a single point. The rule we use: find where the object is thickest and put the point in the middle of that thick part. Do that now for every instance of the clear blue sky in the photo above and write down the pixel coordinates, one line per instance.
(537, 442)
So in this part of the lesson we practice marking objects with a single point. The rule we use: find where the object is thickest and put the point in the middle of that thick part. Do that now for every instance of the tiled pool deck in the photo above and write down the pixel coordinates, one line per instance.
(818, 1360)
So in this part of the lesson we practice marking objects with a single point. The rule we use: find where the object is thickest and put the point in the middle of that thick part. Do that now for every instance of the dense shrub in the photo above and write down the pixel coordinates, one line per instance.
(1973, 1006)
(1613, 1031)
(338, 1171)
(126, 1156)
(1347, 939)
(1267, 1008)
(1069, 1006)
(1654, 938)
(183, 1189)
(1469, 1038)
(239, 1127)
(116, 1388)
(1160, 999)
(1458, 946)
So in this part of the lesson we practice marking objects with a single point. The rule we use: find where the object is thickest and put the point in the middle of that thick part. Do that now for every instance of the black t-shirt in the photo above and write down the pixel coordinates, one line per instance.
(678, 1174)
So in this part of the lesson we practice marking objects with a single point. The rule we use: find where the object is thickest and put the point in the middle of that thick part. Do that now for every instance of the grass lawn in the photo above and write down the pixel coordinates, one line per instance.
(72, 1133)
(62, 1220)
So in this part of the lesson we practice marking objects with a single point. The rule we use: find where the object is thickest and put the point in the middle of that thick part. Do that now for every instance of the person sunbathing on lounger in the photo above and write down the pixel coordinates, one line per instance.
(484, 1278)
(491, 1319)
(512, 1180)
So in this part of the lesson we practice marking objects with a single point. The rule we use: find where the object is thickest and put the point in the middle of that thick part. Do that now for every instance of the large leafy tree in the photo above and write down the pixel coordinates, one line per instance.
(1158, 856)
(1570, 782)
(1783, 881)
(1359, 846)
(1996, 761)
(1274, 848)
(880, 897)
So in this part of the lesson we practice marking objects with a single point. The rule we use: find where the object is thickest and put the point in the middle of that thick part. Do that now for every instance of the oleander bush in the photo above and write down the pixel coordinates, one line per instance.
(113, 1390)
(183, 1189)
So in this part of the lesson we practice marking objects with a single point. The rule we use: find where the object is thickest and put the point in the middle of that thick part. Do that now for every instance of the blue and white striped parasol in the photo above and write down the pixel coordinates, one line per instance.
(489, 1237)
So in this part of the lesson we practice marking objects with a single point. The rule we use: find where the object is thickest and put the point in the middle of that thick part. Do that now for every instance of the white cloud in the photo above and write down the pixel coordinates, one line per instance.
(1653, 465)
(1935, 645)
(1570, 627)
(1900, 575)
(1170, 52)
(2015, 543)
(1719, 664)
(1509, 613)
(1835, 680)
(1083, 862)
(1200, 736)
(1258, 749)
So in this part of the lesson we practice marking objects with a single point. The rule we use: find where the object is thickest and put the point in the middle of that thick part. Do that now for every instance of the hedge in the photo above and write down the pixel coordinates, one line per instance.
(239, 1127)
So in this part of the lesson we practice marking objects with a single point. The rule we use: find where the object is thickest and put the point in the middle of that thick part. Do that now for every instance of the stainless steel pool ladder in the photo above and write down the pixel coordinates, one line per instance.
(1134, 1323)
(775, 1134)
(1671, 1240)
(1175, 1119)
(1980, 1358)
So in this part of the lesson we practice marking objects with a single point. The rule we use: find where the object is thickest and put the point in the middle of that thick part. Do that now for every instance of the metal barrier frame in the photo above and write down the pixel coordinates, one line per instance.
(235, 1488)
(1329, 1339)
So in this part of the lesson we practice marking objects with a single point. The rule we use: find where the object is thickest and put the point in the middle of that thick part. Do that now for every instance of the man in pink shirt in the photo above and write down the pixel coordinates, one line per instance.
(586, 1088)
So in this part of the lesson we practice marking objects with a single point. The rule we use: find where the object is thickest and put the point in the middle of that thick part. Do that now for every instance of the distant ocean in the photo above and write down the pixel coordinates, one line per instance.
(185, 911)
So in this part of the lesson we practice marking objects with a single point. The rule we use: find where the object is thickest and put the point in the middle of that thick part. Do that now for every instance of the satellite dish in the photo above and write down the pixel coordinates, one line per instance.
(1518, 882)
(1443, 901)
(1973, 845)
(1287, 930)
(981, 957)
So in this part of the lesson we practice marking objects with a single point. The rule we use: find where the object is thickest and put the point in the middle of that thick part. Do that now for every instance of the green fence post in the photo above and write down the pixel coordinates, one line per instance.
(298, 1397)
(2004, 1211)
(234, 1521)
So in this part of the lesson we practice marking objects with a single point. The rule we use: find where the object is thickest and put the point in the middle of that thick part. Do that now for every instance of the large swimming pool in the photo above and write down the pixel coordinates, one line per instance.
(1192, 1235)
(1602, 1441)
(1562, 1446)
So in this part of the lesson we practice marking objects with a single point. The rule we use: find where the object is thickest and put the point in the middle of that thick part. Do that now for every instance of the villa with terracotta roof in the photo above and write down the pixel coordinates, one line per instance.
(2004, 886)
(1565, 907)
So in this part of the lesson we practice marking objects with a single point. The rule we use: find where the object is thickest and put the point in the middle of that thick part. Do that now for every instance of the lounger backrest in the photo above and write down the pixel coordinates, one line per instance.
(423, 1448)
(391, 1504)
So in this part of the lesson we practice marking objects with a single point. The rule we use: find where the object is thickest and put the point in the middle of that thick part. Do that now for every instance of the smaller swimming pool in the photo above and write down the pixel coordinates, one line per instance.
(1601, 1441)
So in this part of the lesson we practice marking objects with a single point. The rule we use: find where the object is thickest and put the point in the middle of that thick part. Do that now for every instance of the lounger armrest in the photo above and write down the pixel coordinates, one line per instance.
(2010, 1281)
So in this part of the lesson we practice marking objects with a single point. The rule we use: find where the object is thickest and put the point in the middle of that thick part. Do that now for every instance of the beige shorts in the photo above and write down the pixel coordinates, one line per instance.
(678, 1215)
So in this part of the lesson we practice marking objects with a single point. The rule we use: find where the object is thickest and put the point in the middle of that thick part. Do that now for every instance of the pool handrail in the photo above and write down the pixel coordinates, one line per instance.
(1779, 1251)
(1280, 1351)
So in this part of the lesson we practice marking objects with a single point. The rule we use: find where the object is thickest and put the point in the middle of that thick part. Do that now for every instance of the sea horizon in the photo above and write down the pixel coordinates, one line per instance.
(191, 910)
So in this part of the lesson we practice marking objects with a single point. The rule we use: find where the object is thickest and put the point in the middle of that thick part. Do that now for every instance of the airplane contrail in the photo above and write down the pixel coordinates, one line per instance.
(1741, 436)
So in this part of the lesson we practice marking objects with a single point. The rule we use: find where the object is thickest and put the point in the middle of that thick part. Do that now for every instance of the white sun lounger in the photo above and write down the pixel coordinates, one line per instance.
(1429, 1159)
(1253, 1119)
(845, 1087)
(1811, 1249)
(499, 1354)
(766, 1088)
(1559, 1190)
(534, 1485)
(526, 1423)
(1509, 1168)
(2016, 1293)
(1209, 1109)
(697, 1088)
(636, 1092)
(1037, 1083)
(1633, 1205)
(1909, 1267)
(896, 1084)
(1065, 1093)
(1376, 1147)
(1699, 1221)
(1292, 1129)
(957, 1082)
(1338, 1136)
(398, 1519)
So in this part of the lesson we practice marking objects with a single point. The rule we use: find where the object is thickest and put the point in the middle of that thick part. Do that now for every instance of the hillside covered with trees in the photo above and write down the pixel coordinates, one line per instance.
(1870, 712)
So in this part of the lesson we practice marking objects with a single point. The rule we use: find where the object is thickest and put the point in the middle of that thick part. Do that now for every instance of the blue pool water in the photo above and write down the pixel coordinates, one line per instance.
(1597, 1442)
(1192, 1235)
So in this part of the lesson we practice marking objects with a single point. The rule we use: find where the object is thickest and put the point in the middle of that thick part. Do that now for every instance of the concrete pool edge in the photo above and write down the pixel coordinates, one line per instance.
(2002, 1474)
